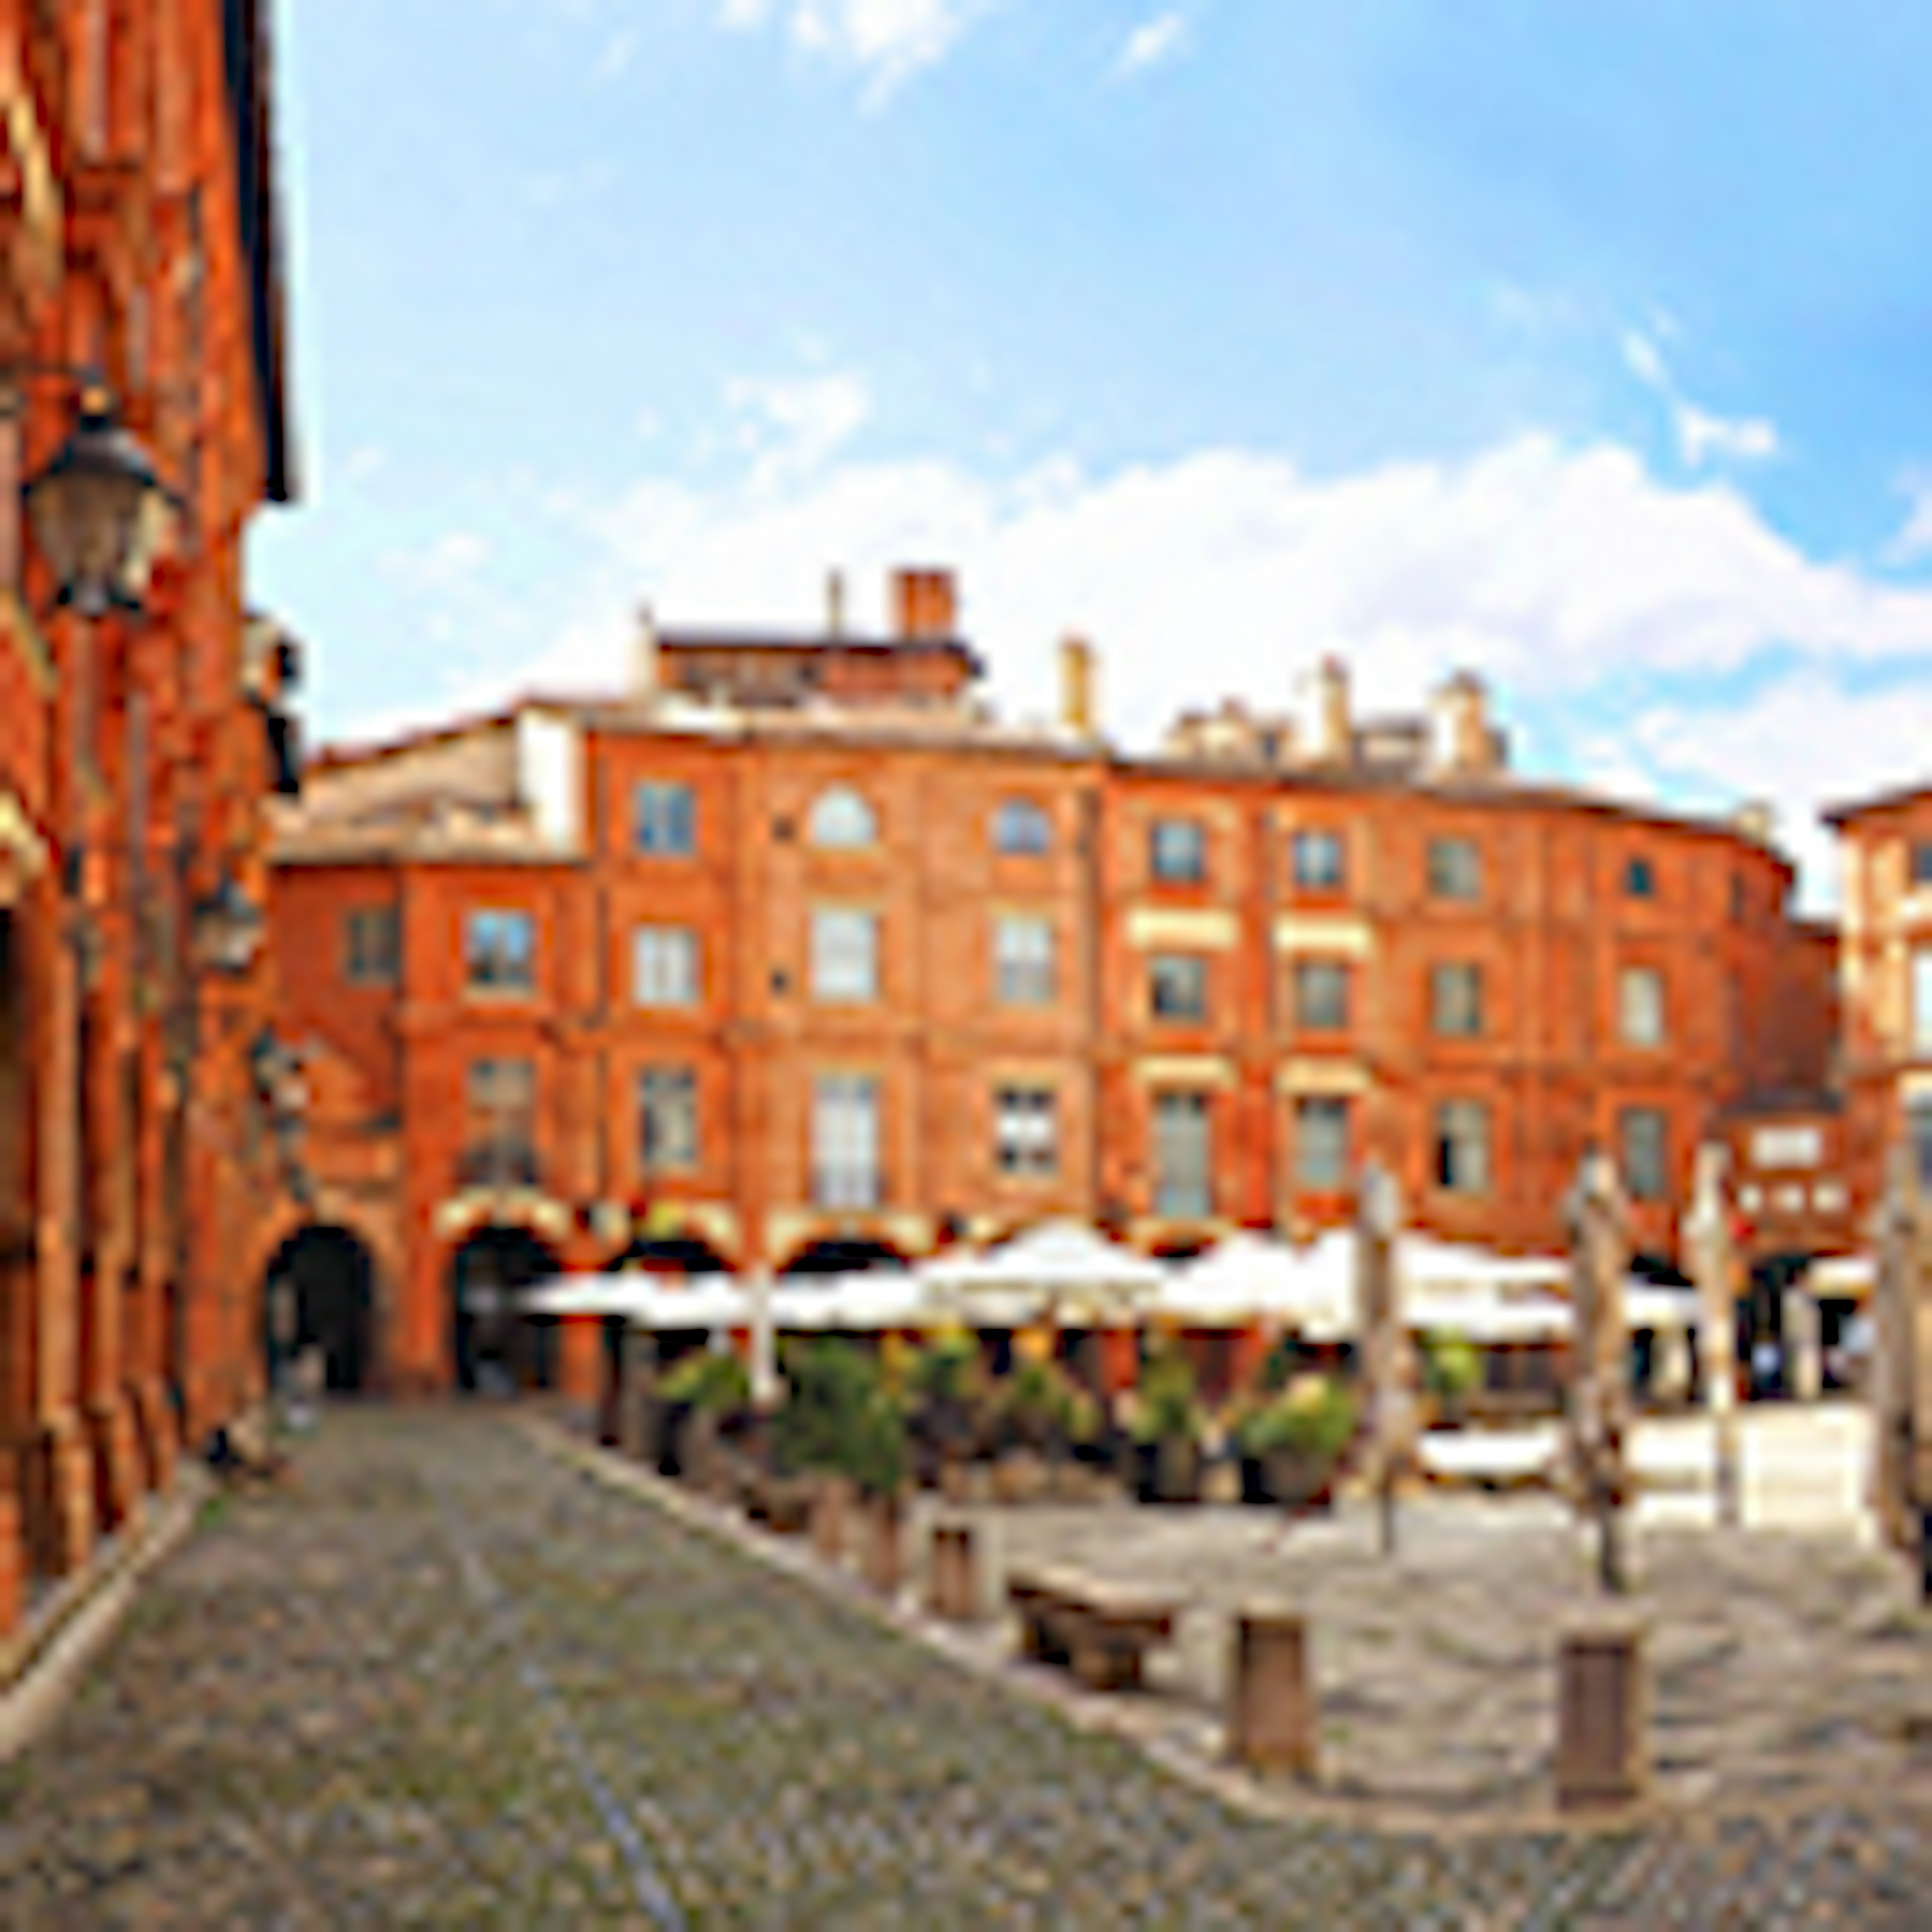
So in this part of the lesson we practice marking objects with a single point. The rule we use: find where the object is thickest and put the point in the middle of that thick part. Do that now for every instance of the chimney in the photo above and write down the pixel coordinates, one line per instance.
(1756, 821)
(835, 603)
(926, 604)
(1460, 741)
(646, 658)
(1077, 686)
(1330, 738)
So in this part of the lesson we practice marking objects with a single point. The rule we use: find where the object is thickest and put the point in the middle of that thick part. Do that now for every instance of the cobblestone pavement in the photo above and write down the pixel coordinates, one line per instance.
(449, 1680)
(1780, 1662)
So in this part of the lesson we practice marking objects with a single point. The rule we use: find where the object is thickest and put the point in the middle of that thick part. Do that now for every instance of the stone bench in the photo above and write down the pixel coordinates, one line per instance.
(1100, 1631)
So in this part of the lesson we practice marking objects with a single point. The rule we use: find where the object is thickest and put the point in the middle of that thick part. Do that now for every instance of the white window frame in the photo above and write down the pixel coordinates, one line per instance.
(1456, 999)
(1024, 967)
(1178, 988)
(668, 1136)
(842, 820)
(847, 1138)
(1455, 866)
(1464, 1149)
(665, 967)
(1645, 1162)
(1021, 829)
(1319, 859)
(1181, 1127)
(492, 962)
(1323, 1128)
(1177, 851)
(664, 819)
(1327, 1009)
(844, 956)
(1026, 1133)
(1643, 1014)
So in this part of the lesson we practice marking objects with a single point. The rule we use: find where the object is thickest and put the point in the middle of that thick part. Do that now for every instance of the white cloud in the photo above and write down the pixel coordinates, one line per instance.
(1701, 434)
(1155, 40)
(789, 426)
(1915, 534)
(1803, 740)
(1552, 568)
(885, 40)
(1569, 574)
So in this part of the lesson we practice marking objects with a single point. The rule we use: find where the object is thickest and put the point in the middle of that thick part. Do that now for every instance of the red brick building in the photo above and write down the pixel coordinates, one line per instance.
(794, 954)
(137, 242)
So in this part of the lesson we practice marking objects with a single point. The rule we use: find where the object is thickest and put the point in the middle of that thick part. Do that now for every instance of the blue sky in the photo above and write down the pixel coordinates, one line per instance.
(1583, 341)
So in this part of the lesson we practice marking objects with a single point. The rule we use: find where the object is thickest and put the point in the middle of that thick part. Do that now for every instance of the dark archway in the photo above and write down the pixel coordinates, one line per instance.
(1762, 1341)
(495, 1347)
(844, 1255)
(319, 1291)
(674, 1254)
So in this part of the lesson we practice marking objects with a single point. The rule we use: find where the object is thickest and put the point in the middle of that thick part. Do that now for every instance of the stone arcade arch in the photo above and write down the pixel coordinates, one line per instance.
(843, 1254)
(495, 1347)
(318, 1292)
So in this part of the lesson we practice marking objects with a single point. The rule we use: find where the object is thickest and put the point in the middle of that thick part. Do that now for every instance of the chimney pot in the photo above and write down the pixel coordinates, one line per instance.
(1077, 681)
(925, 604)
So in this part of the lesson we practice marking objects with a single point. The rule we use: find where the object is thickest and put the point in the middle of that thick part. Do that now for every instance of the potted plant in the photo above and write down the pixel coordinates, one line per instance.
(1452, 1371)
(700, 1392)
(948, 1386)
(1166, 1427)
(1298, 1439)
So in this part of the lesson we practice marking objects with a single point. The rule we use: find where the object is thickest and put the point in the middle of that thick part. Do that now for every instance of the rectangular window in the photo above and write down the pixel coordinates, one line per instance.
(666, 820)
(1456, 1000)
(667, 1120)
(1316, 858)
(1022, 960)
(1918, 1133)
(845, 1140)
(1321, 995)
(664, 966)
(1177, 850)
(1921, 862)
(1184, 1185)
(1321, 1144)
(1178, 986)
(1462, 1147)
(500, 1141)
(499, 949)
(844, 956)
(1922, 999)
(1640, 1007)
(1455, 869)
(1645, 1134)
(371, 945)
(1026, 1138)
(1640, 879)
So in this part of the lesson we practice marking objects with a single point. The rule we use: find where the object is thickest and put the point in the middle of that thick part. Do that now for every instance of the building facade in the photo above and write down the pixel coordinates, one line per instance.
(137, 251)
(793, 956)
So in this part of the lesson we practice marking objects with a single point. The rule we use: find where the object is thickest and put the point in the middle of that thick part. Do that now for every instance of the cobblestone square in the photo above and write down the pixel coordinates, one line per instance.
(446, 1679)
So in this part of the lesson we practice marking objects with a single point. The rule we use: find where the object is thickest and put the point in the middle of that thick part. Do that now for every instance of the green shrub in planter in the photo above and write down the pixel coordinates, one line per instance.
(1451, 1368)
(1167, 1407)
(705, 1379)
(839, 1418)
(1313, 1417)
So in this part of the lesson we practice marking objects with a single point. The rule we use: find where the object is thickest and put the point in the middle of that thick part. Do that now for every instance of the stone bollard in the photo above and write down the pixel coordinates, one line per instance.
(831, 1508)
(1602, 1710)
(1272, 1722)
(952, 1582)
(882, 1558)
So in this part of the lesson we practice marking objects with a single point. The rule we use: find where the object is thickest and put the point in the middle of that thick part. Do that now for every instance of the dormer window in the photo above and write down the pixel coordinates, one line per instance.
(841, 821)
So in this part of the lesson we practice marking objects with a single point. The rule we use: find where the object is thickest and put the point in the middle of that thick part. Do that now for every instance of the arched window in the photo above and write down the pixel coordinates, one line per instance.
(1019, 825)
(842, 820)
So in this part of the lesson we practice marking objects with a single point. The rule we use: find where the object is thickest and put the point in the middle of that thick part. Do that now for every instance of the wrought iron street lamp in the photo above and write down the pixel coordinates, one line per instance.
(228, 929)
(99, 510)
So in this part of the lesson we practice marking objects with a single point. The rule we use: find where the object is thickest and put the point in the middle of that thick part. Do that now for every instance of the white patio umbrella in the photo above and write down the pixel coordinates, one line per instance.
(1850, 1277)
(1081, 1276)
(1249, 1277)
(705, 1301)
(868, 1300)
(605, 1294)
